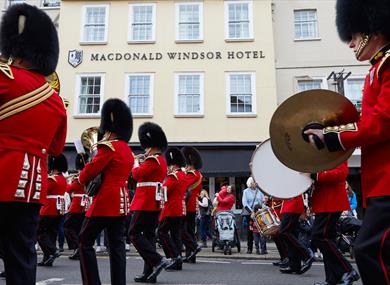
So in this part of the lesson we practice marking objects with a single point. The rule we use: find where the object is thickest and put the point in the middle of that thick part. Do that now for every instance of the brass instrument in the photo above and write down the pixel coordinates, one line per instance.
(89, 138)
(54, 82)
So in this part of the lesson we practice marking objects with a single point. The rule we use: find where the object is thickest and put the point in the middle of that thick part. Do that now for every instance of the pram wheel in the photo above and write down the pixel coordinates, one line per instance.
(213, 243)
(225, 250)
(237, 240)
(229, 250)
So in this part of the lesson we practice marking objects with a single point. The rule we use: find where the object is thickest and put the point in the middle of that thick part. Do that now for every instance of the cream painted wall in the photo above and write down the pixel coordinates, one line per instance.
(215, 126)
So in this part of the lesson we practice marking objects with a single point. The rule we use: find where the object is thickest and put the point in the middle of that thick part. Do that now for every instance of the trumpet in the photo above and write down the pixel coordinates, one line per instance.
(72, 177)
(140, 157)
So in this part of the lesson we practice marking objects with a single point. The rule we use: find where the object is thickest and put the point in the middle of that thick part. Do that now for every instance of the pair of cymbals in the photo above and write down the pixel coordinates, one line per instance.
(319, 106)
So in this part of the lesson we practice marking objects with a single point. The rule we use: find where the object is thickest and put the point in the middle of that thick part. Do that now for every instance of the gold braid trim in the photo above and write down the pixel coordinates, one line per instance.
(174, 175)
(6, 69)
(193, 186)
(108, 144)
(383, 60)
(153, 157)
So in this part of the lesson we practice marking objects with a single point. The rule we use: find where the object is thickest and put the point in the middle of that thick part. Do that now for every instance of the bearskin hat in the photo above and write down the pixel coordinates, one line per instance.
(174, 156)
(60, 163)
(28, 33)
(362, 16)
(152, 135)
(192, 157)
(116, 117)
(80, 160)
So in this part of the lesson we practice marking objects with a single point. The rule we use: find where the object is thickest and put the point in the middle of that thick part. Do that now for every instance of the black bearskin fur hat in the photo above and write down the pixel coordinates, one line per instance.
(28, 33)
(174, 156)
(152, 135)
(60, 163)
(116, 117)
(362, 16)
(192, 157)
(80, 160)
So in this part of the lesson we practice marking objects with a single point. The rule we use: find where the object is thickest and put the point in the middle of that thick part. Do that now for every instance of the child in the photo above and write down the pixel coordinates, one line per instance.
(259, 239)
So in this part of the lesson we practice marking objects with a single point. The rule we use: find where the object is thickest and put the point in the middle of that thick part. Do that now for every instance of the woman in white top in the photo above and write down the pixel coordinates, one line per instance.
(205, 208)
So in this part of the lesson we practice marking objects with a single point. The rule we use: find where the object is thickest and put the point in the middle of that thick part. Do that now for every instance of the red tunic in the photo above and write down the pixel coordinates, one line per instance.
(80, 200)
(154, 170)
(26, 139)
(225, 200)
(54, 203)
(114, 159)
(371, 132)
(294, 205)
(329, 193)
(194, 179)
(277, 206)
(176, 184)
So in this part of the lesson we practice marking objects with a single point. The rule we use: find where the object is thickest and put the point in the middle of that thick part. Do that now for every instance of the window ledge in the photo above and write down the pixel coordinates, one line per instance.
(240, 40)
(86, 116)
(241, 115)
(188, 41)
(50, 7)
(92, 43)
(189, 115)
(141, 42)
(307, 40)
(142, 115)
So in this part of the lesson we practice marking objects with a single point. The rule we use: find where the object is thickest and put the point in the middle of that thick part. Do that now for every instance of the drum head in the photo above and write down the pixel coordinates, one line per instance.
(274, 178)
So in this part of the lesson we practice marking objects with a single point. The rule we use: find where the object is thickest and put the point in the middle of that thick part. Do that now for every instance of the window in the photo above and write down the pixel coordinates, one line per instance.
(95, 22)
(353, 91)
(305, 22)
(142, 18)
(239, 20)
(241, 93)
(189, 21)
(189, 94)
(139, 93)
(304, 85)
(13, 2)
(89, 93)
(51, 3)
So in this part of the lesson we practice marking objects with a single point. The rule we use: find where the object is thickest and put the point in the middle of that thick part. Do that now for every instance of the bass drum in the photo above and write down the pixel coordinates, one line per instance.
(274, 178)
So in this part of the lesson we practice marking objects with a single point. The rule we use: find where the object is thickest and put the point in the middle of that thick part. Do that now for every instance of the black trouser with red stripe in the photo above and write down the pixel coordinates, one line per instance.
(280, 246)
(169, 233)
(19, 223)
(289, 235)
(323, 236)
(372, 247)
(142, 233)
(72, 227)
(47, 234)
(90, 229)
(188, 234)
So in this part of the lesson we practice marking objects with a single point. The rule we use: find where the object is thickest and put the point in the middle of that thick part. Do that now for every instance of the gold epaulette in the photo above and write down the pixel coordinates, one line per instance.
(351, 127)
(174, 175)
(52, 177)
(6, 69)
(381, 64)
(107, 143)
(153, 156)
(191, 171)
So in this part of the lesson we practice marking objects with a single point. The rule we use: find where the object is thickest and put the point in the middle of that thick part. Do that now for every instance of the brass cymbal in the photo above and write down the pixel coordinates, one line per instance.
(321, 106)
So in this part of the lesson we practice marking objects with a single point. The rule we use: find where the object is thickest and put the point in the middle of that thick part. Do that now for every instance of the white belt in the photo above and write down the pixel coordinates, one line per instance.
(79, 195)
(145, 184)
(54, 196)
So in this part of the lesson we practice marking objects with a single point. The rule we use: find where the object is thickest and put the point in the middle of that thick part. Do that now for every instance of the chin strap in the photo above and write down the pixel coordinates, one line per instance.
(362, 44)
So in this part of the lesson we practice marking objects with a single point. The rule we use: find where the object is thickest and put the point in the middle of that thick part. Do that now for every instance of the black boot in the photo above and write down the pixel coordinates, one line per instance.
(75, 255)
(177, 264)
(143, 278)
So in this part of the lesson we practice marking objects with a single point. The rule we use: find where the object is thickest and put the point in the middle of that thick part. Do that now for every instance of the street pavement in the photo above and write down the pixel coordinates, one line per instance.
(212, 268)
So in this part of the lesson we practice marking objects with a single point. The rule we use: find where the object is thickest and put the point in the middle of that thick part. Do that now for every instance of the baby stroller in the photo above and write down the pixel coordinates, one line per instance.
(226, 235)
(347, 230)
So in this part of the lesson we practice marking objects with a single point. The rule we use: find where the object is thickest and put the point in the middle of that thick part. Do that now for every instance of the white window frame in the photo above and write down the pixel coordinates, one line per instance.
(76, 113)
(316, 36)
(324, 83)
(51, 4)
(201, 93)
(83, 22)
(151, 93)
(229, 113)
(9, 3)
(250, 14)
(177, 8)
(353, 77)
(130, 22)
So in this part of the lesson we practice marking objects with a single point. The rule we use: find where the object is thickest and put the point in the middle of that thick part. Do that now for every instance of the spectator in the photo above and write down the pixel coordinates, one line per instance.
(205, 208)
(352, 199)
(225, 198)
(259, 239)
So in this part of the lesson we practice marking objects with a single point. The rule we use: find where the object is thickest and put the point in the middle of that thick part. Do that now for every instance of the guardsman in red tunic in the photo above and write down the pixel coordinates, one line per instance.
(114, 161)
(328, 201)
(366, 26)
(194, 179)
(297, 252)
(276, 205)
(52, 211)
(172, 215)
(76, 213)
(145, 206)
(32, 125)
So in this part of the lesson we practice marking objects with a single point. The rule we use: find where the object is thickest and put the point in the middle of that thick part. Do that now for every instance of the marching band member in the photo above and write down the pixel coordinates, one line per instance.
(194, 178)
(330, 187)
(111, 204)
(76, 213)
(29, 132)
(52, 211)
(171, 217)
(146, 202)
(366, 26)
(297, 252)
